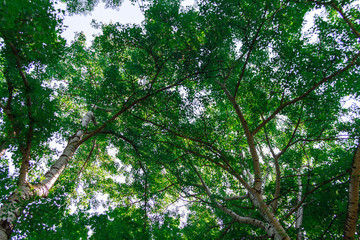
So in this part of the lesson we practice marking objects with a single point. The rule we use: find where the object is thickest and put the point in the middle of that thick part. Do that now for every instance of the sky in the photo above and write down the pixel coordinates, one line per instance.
(127, 13)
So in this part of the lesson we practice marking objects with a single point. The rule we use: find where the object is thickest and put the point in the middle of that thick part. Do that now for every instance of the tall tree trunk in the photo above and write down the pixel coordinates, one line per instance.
(15, 204)
(300, 211)
(353, 202)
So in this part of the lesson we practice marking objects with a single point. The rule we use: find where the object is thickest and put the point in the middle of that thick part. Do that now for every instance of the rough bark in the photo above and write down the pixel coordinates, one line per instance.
(353, 202)
(15, 204)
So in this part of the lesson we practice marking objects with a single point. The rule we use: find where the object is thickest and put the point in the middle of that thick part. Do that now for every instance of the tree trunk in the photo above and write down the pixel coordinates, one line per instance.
(25, 193)
(353, 202)
(300, 211)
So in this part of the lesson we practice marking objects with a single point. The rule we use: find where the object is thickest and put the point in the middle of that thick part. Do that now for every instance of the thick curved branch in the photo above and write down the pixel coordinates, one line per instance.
(346, 19)
(58, 167)
(276, 158)
(249, 138)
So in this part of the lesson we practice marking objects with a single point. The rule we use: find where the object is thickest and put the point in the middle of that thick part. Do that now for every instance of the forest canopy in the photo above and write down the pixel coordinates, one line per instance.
(223, 120)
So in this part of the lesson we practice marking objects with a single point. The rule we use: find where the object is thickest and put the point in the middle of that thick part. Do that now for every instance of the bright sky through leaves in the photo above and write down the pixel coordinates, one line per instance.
(128, 13)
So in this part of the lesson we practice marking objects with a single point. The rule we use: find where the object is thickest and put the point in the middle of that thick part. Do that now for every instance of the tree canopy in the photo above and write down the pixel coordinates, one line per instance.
(224, 120)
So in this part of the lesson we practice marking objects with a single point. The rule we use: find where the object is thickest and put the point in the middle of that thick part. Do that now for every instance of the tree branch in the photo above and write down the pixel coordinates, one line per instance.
(127, 107)
(86, 161)
(242, 197)
(249, 138)
(325, 79)
(252, 45)
(25, 150)
(236, 217)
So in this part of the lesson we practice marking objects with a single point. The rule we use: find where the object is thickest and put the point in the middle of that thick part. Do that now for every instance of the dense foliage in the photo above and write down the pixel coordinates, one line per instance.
(224, 120)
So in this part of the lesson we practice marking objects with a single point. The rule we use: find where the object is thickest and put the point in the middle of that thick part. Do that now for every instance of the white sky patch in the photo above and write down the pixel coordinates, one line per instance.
(188, 3)
(112, 151)
(127, 13)
(102, 198)
(8, 155)
(180, 207)
(348, 101)
(310, 19)
(309, 23)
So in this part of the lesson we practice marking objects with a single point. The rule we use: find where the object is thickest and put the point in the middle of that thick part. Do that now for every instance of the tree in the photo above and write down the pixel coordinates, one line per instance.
(230, 107)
